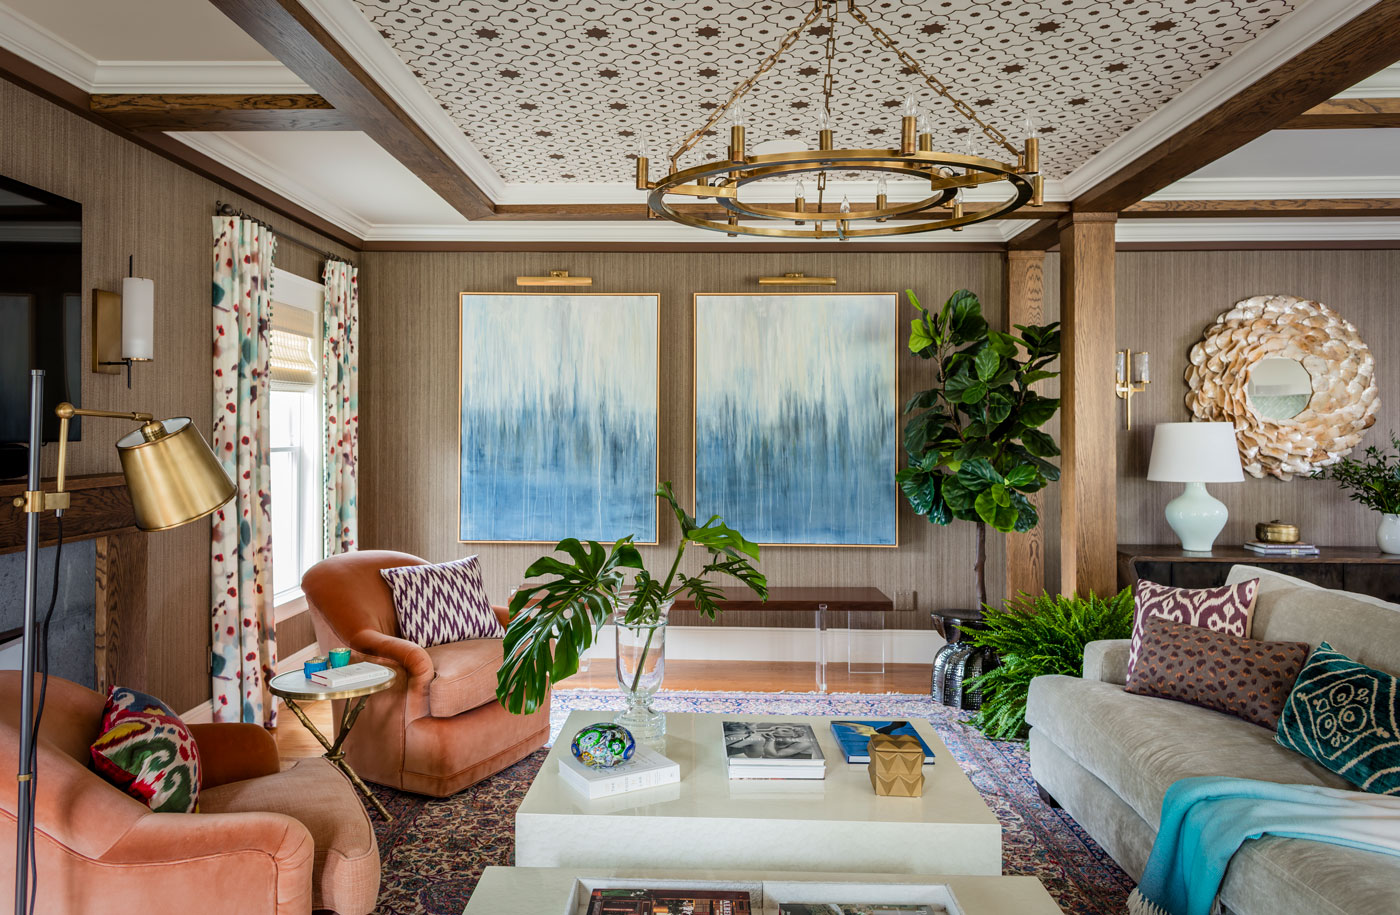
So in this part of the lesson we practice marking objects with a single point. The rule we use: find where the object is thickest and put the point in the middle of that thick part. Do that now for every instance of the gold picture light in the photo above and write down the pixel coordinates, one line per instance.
(796, 279)
(555, 278)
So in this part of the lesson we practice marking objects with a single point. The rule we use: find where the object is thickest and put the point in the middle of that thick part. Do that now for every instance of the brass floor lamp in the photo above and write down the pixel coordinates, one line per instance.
(173, 478)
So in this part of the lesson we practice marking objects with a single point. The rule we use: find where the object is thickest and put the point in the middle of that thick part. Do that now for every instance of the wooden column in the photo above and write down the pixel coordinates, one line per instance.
(1025, 304)
(119, 624)
(1088, 485)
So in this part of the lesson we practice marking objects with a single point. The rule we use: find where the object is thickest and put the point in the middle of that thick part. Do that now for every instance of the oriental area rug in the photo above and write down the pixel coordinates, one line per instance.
(435, 849)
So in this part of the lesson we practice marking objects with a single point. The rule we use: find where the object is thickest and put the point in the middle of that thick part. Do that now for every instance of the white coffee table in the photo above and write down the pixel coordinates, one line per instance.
(708, 821)
(548, 891)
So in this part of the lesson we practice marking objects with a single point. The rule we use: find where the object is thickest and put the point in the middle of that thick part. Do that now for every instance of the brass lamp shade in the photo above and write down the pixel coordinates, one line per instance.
(173, 476)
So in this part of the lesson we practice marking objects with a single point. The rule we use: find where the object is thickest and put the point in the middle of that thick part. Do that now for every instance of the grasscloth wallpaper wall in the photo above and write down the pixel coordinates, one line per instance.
(408, 403)
(137, 203)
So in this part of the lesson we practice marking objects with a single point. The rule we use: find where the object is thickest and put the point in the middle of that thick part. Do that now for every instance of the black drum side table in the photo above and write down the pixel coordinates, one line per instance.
(959, 660)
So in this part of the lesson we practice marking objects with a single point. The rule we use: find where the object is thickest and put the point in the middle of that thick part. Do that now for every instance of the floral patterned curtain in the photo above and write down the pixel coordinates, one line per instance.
(244, 640)
(340, 340)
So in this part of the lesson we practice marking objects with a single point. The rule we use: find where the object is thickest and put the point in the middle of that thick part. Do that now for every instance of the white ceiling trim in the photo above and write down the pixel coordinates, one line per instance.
(272, 177)
(1385, 84)
(38, 45)
(1209, 230)
(355, 33)
(1294, 33)
(526, 231)
(1314, 187)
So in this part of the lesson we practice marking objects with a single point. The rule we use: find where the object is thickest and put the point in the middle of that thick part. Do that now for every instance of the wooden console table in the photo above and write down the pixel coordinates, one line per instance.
(864, 610)
(1343, 568)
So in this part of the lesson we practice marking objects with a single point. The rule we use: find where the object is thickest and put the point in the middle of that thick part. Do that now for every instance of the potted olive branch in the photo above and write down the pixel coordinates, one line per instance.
(554, 621)
(1375, 483)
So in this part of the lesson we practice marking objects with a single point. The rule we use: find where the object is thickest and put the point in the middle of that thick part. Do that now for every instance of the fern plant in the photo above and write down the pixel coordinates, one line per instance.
(1035, 636)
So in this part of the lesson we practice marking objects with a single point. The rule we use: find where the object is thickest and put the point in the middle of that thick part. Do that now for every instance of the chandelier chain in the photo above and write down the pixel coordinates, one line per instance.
(829, 82)
(937, 85)
(694, 136)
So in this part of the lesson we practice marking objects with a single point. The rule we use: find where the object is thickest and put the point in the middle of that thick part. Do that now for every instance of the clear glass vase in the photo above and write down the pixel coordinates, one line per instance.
(641, 666)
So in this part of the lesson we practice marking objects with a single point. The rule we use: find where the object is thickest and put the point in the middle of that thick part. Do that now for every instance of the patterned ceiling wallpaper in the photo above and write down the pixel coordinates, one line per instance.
(565, 90)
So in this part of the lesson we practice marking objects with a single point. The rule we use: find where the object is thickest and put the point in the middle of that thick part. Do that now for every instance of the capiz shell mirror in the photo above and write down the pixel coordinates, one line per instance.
(1294, 377)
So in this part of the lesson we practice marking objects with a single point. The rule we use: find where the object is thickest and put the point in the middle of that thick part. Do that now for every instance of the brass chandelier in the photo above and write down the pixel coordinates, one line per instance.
(944, 174)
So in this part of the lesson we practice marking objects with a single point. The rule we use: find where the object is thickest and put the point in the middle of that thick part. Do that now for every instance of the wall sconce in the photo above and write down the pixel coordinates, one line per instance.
(796, 279)
(123, 326)
(555, 278)
(1125, 386)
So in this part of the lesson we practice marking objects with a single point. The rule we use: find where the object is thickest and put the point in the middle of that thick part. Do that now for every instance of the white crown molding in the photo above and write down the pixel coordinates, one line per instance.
(359, 37)
(1295, 32)
(177, 76)
(1313, 187)
(271, 176)
(1385, 84)
(1226, 230)
(38, 45)
(41, 47)
(526, 231)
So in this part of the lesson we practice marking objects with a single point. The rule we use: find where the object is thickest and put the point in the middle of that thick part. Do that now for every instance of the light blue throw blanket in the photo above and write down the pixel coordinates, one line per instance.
(1205, 820)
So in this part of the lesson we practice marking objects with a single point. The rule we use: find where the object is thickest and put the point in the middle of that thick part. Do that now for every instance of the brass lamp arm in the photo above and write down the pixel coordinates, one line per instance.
(57, 501)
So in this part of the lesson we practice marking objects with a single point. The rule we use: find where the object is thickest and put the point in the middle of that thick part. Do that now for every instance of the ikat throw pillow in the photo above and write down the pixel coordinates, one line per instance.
(1228, 609)
(148, 752)
(1346, 716)
(1246, 678)
(436, 604)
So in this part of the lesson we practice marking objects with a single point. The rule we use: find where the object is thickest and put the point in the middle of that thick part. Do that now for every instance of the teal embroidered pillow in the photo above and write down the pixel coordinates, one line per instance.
(1343, 715)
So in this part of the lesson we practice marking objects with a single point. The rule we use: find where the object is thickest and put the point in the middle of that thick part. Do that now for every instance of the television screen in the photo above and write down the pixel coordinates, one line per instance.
(41, 313)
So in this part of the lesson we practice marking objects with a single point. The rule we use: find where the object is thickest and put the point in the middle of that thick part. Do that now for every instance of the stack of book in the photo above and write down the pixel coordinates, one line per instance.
(659, 902)
(758, 749)
(646, 769)
(1264, 548)
(349, 675)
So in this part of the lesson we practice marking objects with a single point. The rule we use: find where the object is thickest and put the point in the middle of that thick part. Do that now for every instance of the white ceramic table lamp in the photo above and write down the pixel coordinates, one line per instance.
(1195, 454)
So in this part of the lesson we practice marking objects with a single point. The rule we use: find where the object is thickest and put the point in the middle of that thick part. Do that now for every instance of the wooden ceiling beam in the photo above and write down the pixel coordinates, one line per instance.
(293, 36)
(1041, 235)
(1348, 113)
(1335, 62)
(181, 112)
(1252, 209)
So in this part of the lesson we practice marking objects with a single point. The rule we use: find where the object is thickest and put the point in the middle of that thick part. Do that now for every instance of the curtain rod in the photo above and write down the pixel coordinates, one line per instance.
(227, 209)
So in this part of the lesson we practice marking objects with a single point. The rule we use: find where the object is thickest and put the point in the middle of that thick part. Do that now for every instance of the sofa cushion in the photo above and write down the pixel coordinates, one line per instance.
(438, 604)
(1274, 876)
(345, 874)
(148, 752)
(465, 676)
(1138, 745)
(1346, 716)
(1225, 609)
(1246, 678)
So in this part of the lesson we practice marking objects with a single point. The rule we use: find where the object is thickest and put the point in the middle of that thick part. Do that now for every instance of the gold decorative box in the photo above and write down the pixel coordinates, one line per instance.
(896, 766)
(1276, 532)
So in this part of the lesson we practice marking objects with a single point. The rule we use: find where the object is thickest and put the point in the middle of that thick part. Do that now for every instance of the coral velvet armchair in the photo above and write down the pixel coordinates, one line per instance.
(265, 842)
(440, 728)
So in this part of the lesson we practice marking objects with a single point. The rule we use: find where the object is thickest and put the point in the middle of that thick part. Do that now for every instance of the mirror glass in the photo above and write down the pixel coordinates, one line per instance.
(1279, 387)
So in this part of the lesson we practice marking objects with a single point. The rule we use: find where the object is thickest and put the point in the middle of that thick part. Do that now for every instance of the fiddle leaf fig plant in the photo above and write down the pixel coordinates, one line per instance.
(553, 622)
(974, 439)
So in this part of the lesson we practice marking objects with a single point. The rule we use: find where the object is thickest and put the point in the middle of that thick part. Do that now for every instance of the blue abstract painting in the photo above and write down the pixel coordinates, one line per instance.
(795, 413)
(559, 417)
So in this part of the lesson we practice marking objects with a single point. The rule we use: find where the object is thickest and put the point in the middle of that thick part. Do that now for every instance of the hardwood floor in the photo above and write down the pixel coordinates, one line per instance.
(294, 741)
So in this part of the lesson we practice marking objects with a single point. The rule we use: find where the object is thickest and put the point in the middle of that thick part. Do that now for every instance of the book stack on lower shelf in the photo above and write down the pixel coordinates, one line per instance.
(757, 749)
(645, 769)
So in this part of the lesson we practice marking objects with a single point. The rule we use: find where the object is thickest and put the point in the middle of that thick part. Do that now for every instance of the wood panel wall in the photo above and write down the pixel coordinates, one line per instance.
(408, 403)
(1165, 302)
(135, 202)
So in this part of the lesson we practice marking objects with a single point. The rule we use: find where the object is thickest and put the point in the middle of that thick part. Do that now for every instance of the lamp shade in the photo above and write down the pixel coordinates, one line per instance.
(173, 476)
(1195, 453)
(138, 318)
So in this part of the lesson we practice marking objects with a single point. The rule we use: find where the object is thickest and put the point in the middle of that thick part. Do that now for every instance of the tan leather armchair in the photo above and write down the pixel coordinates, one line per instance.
(264, 841)
(440, 728)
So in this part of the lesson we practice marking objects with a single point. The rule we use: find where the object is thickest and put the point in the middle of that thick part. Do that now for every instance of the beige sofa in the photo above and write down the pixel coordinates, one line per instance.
(1108, 756)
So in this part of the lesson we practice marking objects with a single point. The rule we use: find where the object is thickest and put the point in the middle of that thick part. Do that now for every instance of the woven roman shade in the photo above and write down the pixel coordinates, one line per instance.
(295, 360)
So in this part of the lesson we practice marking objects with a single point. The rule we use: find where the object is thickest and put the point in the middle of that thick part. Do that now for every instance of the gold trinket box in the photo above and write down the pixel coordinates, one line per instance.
(1276, 532)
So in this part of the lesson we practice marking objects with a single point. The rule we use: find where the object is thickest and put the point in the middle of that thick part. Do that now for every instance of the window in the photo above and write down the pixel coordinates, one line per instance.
(297, 430)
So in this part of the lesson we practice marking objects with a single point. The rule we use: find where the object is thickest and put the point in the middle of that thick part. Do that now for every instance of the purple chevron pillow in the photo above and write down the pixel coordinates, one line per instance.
(442, 603)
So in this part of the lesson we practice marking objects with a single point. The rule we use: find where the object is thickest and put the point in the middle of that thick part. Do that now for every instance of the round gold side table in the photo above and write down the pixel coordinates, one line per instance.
(293, 686)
